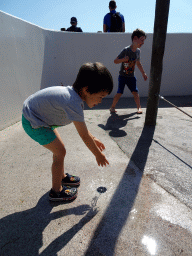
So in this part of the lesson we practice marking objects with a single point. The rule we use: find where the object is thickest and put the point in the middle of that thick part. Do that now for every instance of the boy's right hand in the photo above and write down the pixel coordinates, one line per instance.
(101, 159)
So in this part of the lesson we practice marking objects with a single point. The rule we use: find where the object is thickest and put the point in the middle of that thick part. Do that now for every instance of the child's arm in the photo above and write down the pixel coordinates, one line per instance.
(99, 144)
(140, 67)
(88, 139)
(117, 60)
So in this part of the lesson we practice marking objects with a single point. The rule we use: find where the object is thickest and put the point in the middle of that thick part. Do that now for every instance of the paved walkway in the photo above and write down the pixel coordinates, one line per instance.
(143, 208)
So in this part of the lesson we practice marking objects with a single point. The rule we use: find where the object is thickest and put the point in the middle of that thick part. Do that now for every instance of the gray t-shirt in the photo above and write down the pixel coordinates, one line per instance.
(53, 106)
(127, 68)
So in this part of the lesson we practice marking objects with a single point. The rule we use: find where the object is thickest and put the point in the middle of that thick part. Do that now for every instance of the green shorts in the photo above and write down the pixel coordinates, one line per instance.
(43, 135)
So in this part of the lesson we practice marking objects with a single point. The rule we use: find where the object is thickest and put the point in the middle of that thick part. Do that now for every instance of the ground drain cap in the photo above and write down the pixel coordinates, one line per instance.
(101, 189)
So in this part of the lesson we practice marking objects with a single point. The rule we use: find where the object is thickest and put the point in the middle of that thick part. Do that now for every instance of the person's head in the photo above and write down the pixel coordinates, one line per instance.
(112, 5)
(73, 21)
(138, 37)
(93, 82)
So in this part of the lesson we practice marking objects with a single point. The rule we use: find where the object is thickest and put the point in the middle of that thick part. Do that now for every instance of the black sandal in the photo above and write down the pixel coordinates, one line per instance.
(66, 194)
(71, 180)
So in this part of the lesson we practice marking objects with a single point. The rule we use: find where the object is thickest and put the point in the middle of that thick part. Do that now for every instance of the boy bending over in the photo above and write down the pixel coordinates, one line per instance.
(128, 57)
(58, 106)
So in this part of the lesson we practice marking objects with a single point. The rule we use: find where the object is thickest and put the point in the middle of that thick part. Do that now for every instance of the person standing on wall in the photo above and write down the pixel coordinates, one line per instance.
(113, 21)
(74, 27)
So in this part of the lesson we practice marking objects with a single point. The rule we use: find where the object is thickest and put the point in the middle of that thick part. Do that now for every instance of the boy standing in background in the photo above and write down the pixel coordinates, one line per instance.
(128, 57)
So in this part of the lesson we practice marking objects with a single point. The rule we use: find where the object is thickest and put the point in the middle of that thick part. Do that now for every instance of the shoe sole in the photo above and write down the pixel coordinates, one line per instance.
(63, 198)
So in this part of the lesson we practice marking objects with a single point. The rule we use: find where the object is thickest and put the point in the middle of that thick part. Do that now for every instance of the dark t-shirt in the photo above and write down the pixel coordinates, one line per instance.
(127, 68)
(74, 29)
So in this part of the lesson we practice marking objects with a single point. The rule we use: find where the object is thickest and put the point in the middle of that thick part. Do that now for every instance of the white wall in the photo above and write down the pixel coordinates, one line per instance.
(66, 52)
(21, 64)
(32, 58)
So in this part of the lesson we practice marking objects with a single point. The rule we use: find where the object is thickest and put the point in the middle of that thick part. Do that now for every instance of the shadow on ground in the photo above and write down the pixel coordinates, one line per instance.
(116, 122)
(106, 235)
(22, 232)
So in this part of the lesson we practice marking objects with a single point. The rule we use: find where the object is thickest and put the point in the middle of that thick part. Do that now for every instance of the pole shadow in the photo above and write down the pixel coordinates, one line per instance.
(172, 154)
(107, 233)
(21, 232)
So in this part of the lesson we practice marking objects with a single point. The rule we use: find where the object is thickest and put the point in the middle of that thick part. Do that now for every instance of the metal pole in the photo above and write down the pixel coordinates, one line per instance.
(161, 97)
(159, 38)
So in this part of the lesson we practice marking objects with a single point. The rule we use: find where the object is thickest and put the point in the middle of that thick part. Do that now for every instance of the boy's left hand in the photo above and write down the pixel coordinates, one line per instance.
(99, 144)
(145, 77)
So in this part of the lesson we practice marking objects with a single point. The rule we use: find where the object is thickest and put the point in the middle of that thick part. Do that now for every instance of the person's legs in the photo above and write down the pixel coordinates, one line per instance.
(58, 149)
(137, 101)
(121, 86)
(131, 83)
(50, 139)
(115, 101)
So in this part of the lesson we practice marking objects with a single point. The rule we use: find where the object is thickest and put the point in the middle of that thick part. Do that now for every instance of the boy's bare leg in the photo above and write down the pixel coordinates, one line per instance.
(59, 137)
(58, 149)
(137, 101)
(115, 100)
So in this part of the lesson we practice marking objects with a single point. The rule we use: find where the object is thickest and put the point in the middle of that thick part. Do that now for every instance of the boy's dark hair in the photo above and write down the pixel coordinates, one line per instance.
(139, 33)
(112, 4)
(95, 76)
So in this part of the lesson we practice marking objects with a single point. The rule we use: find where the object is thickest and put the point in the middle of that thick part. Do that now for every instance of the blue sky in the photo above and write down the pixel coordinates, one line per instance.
(55, 14)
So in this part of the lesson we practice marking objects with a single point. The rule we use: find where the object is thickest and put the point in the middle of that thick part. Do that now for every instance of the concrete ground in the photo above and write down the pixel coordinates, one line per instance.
(138, 205)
